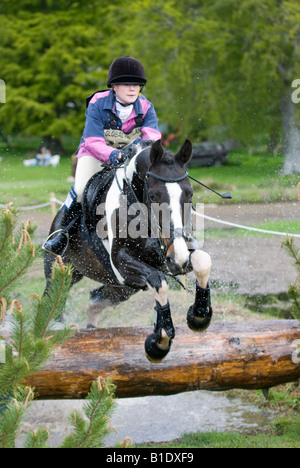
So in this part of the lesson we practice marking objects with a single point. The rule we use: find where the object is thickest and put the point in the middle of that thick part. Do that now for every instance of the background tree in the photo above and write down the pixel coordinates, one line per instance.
(53, 56)
(217, 70)
(226, 68)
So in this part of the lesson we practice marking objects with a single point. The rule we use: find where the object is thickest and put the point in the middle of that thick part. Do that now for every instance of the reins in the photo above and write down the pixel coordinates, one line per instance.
(179, 179)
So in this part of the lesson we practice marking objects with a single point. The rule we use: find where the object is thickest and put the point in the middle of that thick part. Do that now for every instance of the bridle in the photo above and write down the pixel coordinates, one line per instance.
(177, 233)
(165, 179)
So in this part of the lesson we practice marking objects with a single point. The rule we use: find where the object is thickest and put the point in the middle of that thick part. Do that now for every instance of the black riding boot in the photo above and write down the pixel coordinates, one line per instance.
(58, 241)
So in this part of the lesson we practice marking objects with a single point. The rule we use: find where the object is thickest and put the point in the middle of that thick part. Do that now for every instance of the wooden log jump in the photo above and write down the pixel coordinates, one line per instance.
(248, 355)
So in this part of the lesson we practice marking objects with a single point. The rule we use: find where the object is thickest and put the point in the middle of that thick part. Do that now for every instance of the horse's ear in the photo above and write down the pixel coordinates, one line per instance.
(185, 154)
(156, 152)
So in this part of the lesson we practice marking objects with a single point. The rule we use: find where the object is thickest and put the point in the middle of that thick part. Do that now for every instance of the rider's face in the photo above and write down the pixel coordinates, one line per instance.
(127, 94)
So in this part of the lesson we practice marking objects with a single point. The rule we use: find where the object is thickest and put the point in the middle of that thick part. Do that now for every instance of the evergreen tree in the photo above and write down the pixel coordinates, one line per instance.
(224, 69)
(32, 337)
(294, 290)
(216, 70)
(53, 55)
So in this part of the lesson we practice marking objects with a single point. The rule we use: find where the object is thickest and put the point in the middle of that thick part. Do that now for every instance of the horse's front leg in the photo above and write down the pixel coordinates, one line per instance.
(138, 274)
(200, 313)
(158, 344)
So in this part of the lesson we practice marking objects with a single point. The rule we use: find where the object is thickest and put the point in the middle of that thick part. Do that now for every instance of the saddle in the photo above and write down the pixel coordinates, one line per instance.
(93, 193)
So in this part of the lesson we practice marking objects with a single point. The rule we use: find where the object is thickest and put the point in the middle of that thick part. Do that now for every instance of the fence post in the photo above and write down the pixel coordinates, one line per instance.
(53, 204)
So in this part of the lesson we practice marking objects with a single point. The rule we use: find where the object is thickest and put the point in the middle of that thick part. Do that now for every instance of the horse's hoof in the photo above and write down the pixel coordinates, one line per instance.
(198, 324)
(156, 352)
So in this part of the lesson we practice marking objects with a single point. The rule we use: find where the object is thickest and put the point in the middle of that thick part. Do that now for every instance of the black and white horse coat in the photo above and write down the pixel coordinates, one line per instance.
(139, 241)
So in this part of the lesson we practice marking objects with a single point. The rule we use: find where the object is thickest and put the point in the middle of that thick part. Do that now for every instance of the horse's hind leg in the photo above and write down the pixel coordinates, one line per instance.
(106, 296)
(200, 313)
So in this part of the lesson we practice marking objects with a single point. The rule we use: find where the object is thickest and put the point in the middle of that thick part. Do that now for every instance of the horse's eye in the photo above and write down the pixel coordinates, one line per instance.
(152, 197)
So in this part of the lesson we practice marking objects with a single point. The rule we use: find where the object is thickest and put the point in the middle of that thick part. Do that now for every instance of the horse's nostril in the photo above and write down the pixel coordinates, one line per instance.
(170, 260)
(184, 266)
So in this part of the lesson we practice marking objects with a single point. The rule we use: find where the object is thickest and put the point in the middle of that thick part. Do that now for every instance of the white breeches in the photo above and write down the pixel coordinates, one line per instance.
(87, 166)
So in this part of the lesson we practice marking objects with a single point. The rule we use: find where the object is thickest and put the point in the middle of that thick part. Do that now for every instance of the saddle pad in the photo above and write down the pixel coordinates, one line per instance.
(93, 194)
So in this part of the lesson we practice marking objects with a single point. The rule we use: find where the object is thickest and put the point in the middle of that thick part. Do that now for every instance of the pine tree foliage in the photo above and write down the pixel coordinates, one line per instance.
(16, 250)
(12, 417)
(96, 419)
(37, 439)
(32, 337)
(294, 289)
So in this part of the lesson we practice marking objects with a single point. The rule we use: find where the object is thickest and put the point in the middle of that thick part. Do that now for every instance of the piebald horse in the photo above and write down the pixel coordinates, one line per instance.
(133, 232)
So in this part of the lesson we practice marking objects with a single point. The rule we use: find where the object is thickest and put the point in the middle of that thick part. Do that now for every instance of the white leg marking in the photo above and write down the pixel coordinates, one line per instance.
(201, 262)
(162, 294)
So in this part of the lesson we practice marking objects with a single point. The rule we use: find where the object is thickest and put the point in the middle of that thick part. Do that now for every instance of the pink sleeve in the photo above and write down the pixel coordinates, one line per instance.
(97, 148)
(149, 133)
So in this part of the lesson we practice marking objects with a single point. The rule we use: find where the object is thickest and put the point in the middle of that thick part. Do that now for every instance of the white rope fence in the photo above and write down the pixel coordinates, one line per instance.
(37, 207)
(54, 200)
(248, 228)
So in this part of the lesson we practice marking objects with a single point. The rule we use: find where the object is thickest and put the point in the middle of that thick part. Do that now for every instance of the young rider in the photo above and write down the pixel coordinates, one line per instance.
(115, 118)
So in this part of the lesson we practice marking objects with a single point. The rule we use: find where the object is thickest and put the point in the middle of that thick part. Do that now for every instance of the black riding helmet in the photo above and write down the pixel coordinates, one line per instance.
(126, 70)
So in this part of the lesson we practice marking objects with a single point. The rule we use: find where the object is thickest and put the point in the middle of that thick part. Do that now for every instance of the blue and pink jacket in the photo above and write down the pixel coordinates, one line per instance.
(100, 112)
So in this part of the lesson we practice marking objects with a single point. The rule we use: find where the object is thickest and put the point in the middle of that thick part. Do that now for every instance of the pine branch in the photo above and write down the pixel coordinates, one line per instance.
(52, 305)
(17, 251)
(13, 416)
(4, 236)
(292, 250)
(60, 273)
(32, 338)
(294, 290)
(19, 273)
(37, 439)
(294, 293)
(31, 350)
(88, 433)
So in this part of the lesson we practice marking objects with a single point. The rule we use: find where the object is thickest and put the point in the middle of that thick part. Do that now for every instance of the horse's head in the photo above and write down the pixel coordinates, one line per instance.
(170, 193)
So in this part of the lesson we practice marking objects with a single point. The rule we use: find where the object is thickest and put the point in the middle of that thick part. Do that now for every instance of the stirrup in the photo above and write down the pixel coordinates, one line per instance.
(53, 234)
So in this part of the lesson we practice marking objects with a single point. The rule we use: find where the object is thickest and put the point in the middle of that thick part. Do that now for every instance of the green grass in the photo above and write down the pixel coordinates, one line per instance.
(26, 186)
(283, 434)
(252, 178)
(255, 178)
(286, 227)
